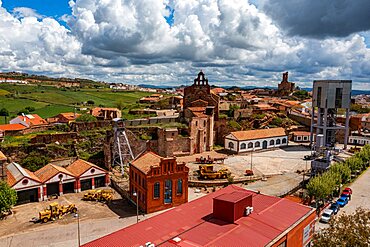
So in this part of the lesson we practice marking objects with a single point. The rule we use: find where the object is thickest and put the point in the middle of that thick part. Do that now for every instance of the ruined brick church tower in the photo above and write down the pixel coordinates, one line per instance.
(201, 109)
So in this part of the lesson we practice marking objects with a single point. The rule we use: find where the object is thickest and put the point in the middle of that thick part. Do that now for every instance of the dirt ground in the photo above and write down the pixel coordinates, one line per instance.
(22, 214)
(265, 163)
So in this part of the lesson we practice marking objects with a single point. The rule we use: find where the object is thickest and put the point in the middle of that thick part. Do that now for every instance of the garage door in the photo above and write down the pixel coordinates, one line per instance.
(99, 181)
(52, 189)
(26, 196)
(68, 187)
(86, 184)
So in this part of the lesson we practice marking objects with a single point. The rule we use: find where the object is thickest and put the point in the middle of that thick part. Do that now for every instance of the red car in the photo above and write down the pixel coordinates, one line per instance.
(347, 191)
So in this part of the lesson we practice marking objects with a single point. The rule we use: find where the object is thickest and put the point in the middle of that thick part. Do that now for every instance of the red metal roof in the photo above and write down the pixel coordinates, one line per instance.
(194, 224)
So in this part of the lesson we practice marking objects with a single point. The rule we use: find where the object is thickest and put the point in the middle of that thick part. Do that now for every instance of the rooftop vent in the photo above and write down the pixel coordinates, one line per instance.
(230, 207)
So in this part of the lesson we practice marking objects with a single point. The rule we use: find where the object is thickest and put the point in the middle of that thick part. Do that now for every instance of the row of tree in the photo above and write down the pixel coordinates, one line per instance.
(325, 185)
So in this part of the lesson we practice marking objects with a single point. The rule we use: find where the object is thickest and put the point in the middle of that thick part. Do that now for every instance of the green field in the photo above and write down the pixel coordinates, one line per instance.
(49, 101)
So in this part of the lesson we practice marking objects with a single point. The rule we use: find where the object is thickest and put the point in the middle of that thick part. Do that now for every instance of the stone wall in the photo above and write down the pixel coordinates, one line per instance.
(81, 126)
(51, 138)
(152, 120)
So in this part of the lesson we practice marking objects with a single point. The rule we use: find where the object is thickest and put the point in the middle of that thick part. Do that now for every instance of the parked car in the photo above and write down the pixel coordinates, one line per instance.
(347, 191)
(342, 201)
(346, 195)
(334, 207)
(326, 216)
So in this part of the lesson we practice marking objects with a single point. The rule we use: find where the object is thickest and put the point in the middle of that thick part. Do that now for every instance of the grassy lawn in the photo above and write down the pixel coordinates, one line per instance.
(50, 101)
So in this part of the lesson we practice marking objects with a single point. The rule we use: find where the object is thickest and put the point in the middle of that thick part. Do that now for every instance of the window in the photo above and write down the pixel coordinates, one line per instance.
(283, 244)
(135, 177)
(305, 138)
(231, 145)
(298, 138)
(272, 142)
(319, 97)
(243, 146)
(284, 140)
(156, 190)
(179, 186)
(278, 141)
(338, 97)
(168, 191)
(196, 123)
(204, 123)
(250, 145)
(257, 144)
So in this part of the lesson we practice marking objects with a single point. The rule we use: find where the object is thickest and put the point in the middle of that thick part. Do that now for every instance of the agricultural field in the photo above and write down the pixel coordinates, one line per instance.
(49, 101)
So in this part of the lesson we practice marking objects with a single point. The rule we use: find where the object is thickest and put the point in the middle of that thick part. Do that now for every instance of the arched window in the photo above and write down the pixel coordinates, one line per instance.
(243, 146)
(272, 142)
(250, 145)
(284, 140)
(179, 186)
(156, 190)
(257, 144)
(278, 141)
(231, 145)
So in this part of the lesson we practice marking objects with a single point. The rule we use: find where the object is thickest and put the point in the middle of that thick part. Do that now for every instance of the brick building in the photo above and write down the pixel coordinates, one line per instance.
(201, 90)
(231, 216)
(105, 113)
(159, 183)
(285, 87)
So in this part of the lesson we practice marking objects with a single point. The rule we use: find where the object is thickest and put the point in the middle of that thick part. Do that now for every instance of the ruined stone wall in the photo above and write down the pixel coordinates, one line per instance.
(152, 120)
(81, 126)
(51, 138)
(221, 130)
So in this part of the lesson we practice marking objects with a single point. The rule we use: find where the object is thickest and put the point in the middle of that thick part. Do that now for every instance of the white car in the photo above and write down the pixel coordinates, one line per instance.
(326, 216)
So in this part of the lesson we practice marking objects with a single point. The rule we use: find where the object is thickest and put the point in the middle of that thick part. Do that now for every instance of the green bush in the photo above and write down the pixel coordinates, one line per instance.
(34, 161)
(8, 197)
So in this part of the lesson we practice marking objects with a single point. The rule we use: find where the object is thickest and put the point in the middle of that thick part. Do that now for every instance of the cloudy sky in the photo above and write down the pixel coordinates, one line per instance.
(166, 42)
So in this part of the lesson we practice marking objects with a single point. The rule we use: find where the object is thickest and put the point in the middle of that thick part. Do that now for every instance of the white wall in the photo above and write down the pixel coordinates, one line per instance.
(88, 173)
(246, 142)
(66, 178)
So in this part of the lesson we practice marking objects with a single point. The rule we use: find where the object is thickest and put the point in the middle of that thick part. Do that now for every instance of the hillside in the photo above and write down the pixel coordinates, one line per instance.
(49, 101)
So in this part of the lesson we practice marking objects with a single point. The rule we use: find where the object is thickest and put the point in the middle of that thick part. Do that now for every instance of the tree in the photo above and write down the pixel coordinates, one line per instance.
(34, 161)
(8, 197)
(4, 112)
(90, 102)
(86, 118)
(345, 230)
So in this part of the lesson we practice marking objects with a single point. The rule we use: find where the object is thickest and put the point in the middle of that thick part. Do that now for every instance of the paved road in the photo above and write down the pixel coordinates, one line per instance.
(360, 197)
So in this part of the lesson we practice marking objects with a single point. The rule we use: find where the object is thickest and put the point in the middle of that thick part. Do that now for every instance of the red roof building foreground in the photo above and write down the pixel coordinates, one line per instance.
(272, 222)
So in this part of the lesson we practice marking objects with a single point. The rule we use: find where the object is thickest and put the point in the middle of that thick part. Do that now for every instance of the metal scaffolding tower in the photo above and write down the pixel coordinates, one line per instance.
(121, 152)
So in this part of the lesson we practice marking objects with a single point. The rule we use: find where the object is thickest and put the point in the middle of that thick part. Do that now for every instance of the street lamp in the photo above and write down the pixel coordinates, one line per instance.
(137, 206)
(78, 228)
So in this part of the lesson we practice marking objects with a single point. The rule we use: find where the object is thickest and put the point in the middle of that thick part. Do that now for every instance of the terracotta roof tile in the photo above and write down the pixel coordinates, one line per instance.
(49, 171)
(258, 134)
(301, 133)
(33, 119)
(80, 166)
(10, 179)
(146, 160)
(32, 175)
(11, 127)
(70, 115)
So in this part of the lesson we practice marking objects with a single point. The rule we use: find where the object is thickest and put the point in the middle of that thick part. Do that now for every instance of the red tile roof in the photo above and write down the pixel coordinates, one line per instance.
(10, 127)
(301, 133)
(47, 172)
(194, 225)
(258, 134)
(146, 160)
(33, 119)
(80, 166)
(70, 115)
